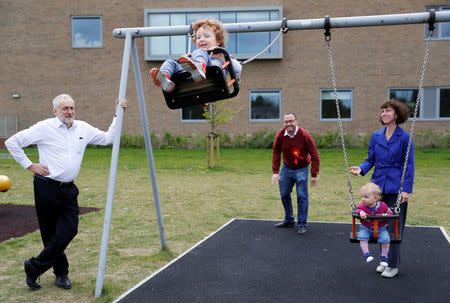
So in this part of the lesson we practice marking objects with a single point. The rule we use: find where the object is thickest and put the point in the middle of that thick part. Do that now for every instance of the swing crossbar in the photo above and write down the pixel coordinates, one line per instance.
(394, 236)
(301, 24)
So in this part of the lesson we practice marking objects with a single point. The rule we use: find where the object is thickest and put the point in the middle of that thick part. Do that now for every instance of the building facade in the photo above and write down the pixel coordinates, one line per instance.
(54, 47)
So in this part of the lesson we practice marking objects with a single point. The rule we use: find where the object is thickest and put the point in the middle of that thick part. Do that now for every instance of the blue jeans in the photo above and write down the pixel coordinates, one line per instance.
(365, 233)
(299, 177)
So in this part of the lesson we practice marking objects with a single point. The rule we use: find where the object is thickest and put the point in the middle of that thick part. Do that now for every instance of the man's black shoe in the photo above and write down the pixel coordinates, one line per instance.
(301, 230)
(63, 282)
(284, 224)
(32, 275)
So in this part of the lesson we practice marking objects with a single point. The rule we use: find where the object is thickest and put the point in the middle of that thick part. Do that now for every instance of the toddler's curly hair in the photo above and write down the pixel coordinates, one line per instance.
(215, 25)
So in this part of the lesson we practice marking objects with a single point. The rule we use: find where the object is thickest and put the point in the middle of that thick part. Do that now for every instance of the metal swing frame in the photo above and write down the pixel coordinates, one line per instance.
(130, 50)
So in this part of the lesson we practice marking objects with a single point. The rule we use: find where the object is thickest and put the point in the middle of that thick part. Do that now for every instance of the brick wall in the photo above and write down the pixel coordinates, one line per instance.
(39, 63)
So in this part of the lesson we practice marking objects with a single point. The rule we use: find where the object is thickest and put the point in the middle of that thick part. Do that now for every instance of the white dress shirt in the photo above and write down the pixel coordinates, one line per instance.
(60, 148)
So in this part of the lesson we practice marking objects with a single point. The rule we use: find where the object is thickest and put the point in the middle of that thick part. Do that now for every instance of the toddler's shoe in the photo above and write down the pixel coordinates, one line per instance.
(161, 79)
(197, 69)
(383, 264)
(368, 257)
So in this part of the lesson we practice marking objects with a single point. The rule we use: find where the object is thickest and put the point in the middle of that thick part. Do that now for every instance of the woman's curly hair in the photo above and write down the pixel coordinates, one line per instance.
(400, 108)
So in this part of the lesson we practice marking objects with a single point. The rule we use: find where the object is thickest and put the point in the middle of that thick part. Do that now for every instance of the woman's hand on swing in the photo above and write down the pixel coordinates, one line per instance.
(356, 170)
(405, 197)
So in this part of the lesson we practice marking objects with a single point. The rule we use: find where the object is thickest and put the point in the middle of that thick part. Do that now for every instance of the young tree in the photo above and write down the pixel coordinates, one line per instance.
(217, 114)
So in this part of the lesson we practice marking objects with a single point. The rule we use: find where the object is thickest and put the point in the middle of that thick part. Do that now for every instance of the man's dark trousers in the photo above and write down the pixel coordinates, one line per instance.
(57, 211)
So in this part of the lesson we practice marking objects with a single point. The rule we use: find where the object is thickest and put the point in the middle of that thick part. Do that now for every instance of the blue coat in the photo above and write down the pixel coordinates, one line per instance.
(388, 157)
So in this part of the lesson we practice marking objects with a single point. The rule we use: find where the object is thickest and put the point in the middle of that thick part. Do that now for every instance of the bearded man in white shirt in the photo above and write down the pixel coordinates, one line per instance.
(61, 143)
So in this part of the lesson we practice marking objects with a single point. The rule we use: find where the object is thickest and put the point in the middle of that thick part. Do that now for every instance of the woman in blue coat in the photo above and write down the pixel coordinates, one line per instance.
(387, 152)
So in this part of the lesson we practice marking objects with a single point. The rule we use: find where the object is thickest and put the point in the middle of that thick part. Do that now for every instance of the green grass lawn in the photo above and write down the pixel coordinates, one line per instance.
(195, 201)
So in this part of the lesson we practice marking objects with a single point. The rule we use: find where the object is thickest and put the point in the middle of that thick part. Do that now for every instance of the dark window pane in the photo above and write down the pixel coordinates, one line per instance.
(329, 104)
(192, 113)
(265, 105)
(444, 103)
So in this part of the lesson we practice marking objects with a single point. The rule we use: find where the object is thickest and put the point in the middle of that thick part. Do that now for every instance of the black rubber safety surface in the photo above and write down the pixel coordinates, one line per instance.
(251, 261)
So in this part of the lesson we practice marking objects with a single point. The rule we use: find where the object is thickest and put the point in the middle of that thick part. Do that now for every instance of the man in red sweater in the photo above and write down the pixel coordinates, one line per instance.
(299, 150)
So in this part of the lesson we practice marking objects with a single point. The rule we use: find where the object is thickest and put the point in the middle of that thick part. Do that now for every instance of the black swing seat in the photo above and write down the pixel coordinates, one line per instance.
(214, 88)
(354, 234)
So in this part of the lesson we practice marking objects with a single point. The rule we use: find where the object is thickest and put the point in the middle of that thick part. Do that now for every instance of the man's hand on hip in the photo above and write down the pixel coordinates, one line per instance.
(39, 169)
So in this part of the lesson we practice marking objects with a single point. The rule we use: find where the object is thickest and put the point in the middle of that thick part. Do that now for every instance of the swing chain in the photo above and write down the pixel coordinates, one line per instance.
(283, 30)
(341, 129)
(419, 97)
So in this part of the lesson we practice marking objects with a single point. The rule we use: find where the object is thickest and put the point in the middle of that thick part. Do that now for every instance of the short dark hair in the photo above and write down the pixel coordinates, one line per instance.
(400, 108)
(290, 113)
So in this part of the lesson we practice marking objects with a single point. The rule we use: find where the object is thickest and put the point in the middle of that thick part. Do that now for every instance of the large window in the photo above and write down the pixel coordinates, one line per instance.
(442, 29)
(434, 104)
(406, 95)
(265, 105)
(328, 110)
(240, 45)
(86, 31)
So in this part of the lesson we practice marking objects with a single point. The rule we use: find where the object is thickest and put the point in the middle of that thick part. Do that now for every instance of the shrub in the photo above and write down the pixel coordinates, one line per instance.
(264, 139)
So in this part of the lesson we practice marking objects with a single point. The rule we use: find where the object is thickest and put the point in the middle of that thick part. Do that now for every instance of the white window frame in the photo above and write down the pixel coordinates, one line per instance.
(267, 55)
(334, 102)
(276, 91)
(87, 17)
(438, 25)
(431, 98)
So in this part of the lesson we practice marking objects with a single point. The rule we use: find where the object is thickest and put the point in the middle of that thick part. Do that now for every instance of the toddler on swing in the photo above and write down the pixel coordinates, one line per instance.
(208, 34)
(371, 205)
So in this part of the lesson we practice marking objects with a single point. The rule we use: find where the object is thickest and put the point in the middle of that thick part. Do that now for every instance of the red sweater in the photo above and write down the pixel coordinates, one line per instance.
(382, 209)
(298, 152)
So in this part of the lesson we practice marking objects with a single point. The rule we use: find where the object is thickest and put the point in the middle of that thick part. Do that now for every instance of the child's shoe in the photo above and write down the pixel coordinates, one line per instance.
(197, 69)
(161, 79)
(383, 264)
(368, 257)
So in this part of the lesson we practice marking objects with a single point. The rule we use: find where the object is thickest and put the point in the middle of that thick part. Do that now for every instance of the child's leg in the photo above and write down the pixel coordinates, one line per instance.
(200, 55)
(195, 65)
(363, 237)
(171, 67)
(384, 257)
(384, 249)
(383, 239)
(364, 246)
(161, 77)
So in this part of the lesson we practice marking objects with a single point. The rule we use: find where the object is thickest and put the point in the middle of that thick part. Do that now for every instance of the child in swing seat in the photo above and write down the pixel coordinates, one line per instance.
(208, 34)
(371, 205)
